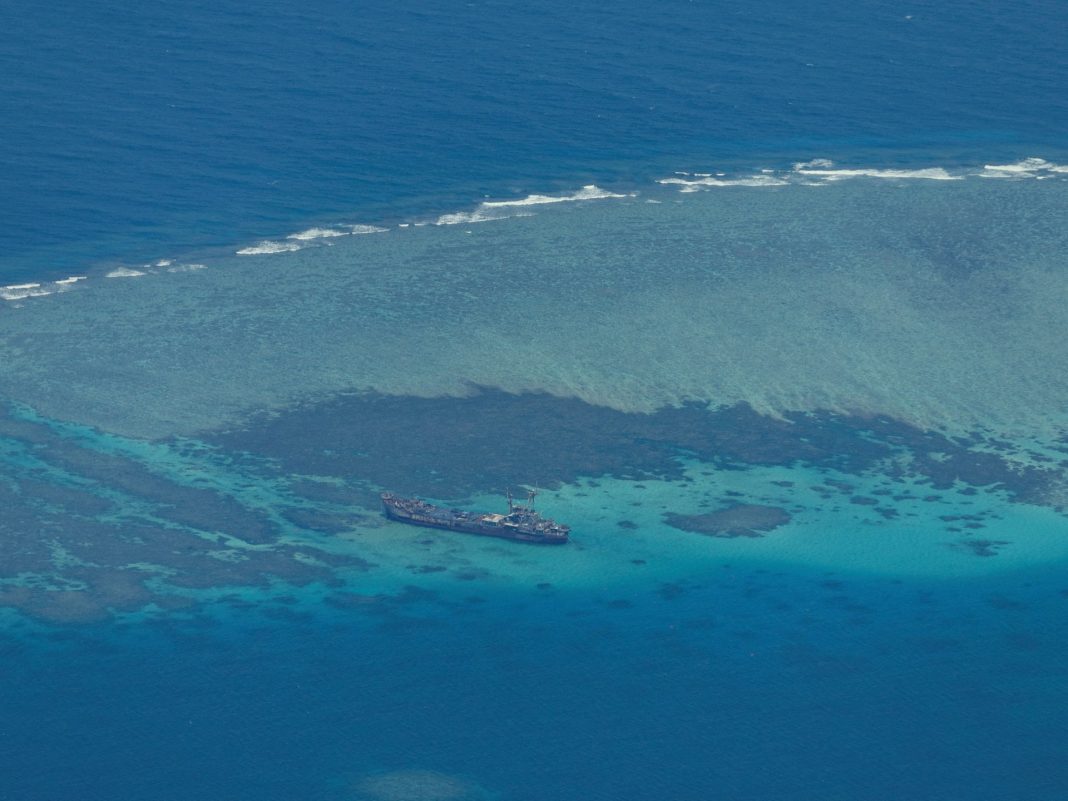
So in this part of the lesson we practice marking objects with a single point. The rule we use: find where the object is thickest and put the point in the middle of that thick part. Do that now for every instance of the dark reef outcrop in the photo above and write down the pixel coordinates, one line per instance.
(739, 520)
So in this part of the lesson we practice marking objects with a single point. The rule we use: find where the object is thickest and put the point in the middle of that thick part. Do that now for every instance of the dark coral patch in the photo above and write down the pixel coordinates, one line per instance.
(741, 520)
(352, 600)
(326, 522)
(470, 575)
(446, 448)
(980, 547)
(669, 591)
(450, 447)
(91, 534)
(101, 591)
(1005, 603)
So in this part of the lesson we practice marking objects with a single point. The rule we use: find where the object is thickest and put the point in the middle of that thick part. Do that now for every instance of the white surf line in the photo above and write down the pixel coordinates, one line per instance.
(300, 239)
(822, 171)
(489, 210)
(15, 292)
(1032, 167)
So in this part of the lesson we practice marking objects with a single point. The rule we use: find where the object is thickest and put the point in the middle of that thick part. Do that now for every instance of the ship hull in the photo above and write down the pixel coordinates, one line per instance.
(447, 520)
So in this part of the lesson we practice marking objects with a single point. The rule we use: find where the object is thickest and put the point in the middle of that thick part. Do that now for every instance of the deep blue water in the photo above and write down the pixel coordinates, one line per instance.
(131, 132)
(135, 132)
(750, 686)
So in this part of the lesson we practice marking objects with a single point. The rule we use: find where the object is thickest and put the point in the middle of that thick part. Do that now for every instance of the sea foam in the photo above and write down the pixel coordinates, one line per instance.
(296, 241)
(814, 172)
(268, 246)
(317, 233)
(1026, 168)
(479, 215)
(697, 181)
(588, 192)
(490, 210)
(329, 233)
(14, 292)
(825, 170)
(22, 291)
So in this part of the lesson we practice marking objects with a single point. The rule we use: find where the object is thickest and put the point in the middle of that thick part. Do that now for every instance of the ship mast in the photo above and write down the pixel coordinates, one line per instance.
(512, 506)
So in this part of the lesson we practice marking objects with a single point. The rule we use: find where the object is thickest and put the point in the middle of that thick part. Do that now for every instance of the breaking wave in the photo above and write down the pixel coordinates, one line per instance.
(1027, 168)
(125, 272)
(490, 210)
(329, 233)
(588, 192)
(15, 292)
(820, 171)
(317, 233)
(477, 216)
(267, 246)
(813, 172)
(826, 170)
(693, 183)
(301, 238)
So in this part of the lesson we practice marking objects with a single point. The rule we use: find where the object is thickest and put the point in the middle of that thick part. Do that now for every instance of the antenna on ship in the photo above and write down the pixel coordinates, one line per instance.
(531, 495)
(509, 493)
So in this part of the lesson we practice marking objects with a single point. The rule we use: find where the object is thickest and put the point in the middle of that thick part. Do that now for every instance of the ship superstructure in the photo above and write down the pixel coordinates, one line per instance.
(521, 524)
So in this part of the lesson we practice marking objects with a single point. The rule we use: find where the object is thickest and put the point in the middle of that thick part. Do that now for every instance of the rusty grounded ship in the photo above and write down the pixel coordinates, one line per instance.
(521, 524)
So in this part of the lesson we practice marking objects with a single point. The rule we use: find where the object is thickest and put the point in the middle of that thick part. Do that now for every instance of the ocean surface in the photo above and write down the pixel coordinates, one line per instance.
(767, 301)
